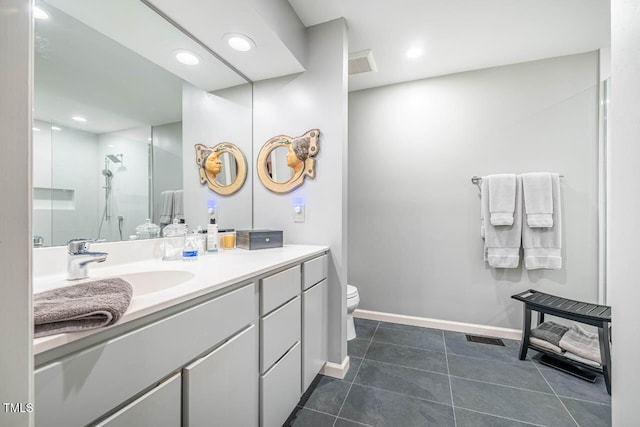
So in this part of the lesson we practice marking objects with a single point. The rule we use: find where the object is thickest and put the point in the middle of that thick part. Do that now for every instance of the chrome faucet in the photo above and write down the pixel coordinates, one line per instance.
(79, 256)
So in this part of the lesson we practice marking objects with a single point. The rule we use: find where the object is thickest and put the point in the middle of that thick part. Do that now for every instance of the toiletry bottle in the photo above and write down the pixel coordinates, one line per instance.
(190, 249)
(212, 236)
(201, 240)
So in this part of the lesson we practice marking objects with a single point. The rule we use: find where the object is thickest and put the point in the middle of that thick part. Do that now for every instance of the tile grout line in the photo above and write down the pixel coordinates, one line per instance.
(407, 367)
(355, 375)
(556, 394)
(446, 357)
(502, 417)
(333, 416)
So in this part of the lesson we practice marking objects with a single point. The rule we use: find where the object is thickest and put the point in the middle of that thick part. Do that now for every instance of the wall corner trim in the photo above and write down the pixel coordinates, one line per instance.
(336, 370)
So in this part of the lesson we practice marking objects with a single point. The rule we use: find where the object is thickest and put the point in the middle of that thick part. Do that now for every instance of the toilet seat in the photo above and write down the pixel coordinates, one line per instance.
(352, 292)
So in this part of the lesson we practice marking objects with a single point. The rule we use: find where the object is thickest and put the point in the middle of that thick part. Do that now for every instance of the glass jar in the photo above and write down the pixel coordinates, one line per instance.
(148, 230)
(227, 238)
(174, 241)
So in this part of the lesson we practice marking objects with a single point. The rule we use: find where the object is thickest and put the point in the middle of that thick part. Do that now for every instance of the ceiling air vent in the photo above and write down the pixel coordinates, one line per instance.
(361, 62)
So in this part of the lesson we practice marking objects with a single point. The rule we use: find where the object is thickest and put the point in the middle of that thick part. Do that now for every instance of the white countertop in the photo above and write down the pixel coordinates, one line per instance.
(208, 273)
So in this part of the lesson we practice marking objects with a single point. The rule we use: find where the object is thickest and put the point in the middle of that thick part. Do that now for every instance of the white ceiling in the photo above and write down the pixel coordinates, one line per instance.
(113, 63)
(460, 35)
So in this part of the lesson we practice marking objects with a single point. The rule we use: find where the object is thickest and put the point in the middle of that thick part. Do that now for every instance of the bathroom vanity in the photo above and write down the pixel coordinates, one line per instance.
(235, 342)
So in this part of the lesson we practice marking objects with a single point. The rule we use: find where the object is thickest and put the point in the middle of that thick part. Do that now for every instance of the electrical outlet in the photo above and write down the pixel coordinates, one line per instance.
(298, 212)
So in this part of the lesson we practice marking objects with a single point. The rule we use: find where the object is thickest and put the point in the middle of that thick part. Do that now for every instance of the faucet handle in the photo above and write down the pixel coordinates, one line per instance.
(78, 246)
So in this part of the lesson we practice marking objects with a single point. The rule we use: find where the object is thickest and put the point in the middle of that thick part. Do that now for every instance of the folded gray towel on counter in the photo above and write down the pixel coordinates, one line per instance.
(550, 332)
(80, 307)
(582, 343)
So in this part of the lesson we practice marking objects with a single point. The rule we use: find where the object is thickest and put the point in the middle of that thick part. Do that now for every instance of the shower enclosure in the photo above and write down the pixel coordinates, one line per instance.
(88, 184)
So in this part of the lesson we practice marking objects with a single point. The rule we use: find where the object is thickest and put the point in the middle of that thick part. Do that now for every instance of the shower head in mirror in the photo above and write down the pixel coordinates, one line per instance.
(115, 158)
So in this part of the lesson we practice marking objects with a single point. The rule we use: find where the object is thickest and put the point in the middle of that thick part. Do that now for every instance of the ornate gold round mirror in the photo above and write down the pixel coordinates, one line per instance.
(284, 162)
(222, 167)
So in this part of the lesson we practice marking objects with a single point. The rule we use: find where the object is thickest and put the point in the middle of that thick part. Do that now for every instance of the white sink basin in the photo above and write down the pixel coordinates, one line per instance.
(149, 282)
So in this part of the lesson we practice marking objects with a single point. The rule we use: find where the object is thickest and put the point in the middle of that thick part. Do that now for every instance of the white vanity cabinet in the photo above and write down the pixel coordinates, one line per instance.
(160, 407)
(79, 389)
(219, 388)
(314, 319)
(280, 334)
(235, 356)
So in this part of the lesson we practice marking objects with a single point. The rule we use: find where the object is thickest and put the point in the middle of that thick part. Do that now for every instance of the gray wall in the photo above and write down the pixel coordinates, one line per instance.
(414, 243)
(292, 105)
(211, 118)
(624, 205)
(16, 319)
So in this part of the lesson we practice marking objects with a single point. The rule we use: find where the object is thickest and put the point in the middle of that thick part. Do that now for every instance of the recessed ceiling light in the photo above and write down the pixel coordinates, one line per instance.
(187, 58)
(35, 129)
(149, 139)
(55, 128)
(239, 42)
(414, 52)
(39, 13)
(79, 119)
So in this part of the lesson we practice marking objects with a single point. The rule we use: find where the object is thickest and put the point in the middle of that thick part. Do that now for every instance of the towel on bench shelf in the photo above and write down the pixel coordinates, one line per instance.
(545, 344)
(80, 307)
(577, 358)
(582, 343)
(550, 332)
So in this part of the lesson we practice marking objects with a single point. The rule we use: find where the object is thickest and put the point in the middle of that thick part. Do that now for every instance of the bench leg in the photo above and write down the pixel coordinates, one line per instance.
(605, 354)
(540, 318)
(526, 331)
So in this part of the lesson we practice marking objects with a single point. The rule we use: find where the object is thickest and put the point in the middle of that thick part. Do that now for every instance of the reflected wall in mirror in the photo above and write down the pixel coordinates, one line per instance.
(222, 167)
(108, 125)
(284, 162)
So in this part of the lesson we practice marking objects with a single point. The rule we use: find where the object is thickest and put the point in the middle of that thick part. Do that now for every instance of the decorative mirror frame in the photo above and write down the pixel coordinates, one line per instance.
(298, 177)
(202, 152)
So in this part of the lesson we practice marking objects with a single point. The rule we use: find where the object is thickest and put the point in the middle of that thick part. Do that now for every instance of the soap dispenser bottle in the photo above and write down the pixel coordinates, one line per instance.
(212, 236)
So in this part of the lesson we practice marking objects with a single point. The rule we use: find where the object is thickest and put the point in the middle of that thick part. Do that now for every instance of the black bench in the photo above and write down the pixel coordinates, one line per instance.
(590, 314)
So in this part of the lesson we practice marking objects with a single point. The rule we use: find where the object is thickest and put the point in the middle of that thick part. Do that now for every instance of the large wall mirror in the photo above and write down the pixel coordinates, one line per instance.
(118, 96)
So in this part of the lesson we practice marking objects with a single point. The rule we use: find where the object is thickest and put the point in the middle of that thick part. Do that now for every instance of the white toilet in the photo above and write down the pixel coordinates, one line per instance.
(353, 299)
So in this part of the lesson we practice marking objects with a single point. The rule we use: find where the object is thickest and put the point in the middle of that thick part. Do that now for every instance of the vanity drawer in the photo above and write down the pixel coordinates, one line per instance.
(277, 289)
(278, 332)
(280, 389)
(80, 388)
(314, 271)
(161, 407)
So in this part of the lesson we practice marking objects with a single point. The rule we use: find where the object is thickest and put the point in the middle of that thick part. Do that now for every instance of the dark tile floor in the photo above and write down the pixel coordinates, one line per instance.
(404, 376)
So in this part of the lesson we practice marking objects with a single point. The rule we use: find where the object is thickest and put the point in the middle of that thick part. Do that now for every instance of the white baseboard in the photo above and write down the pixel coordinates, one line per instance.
(468, 328)
(336, 370)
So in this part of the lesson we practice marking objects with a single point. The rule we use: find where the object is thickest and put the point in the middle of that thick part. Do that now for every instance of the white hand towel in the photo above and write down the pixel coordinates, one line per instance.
(502, 198)
(538, 199)
(502, 243)
(166, 208)
(543, 246)
(178, 204)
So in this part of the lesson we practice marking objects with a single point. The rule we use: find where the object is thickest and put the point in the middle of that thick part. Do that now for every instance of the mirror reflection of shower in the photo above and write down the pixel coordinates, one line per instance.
(108, 176)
